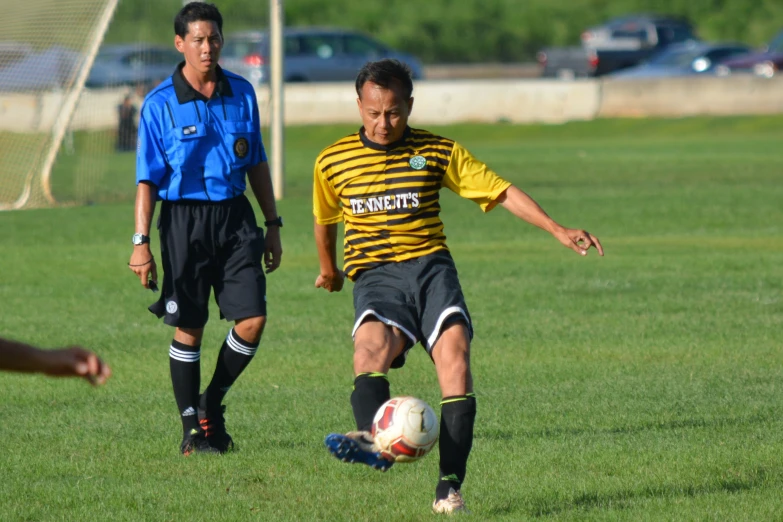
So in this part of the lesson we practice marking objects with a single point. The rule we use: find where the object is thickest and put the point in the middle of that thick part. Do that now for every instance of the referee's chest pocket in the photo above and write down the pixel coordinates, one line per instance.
(187, 144)
(239, 140)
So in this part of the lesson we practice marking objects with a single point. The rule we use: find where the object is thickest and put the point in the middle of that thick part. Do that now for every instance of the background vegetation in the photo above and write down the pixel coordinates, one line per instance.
(443, 31)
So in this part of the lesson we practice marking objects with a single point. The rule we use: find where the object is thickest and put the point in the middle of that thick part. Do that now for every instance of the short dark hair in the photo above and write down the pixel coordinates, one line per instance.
(384, 73)
(196, 12)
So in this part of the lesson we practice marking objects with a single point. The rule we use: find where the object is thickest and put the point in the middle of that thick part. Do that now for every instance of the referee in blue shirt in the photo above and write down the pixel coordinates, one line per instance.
(199, 137)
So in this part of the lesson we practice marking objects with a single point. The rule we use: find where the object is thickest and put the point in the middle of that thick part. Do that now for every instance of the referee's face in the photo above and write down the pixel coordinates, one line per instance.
(384, 113)
(201, 46)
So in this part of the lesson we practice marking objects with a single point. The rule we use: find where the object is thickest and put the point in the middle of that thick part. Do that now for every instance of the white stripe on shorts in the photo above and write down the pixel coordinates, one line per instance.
(384, 320)
(445, 314)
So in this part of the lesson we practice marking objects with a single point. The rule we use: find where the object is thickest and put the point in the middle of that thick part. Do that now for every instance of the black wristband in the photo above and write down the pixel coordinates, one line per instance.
(277, 222)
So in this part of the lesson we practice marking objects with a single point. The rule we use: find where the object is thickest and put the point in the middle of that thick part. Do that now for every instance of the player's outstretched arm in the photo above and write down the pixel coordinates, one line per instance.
(331, 278)
(73, 361)
(524, 207)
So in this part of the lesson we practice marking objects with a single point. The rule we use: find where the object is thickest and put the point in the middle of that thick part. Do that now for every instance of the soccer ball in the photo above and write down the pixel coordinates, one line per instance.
(405, 429)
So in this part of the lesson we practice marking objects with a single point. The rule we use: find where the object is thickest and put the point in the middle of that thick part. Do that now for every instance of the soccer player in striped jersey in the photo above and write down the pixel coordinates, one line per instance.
(384, 182)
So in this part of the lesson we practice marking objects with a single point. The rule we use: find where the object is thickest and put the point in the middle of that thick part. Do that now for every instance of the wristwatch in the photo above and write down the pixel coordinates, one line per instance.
(277, 222)
(140, 239)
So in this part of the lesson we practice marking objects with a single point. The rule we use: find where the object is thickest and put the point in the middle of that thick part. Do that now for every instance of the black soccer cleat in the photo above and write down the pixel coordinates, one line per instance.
(195, 442)
(213, 423)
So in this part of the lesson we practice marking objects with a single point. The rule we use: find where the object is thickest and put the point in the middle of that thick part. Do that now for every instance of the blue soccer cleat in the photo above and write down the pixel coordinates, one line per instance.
(356, 447)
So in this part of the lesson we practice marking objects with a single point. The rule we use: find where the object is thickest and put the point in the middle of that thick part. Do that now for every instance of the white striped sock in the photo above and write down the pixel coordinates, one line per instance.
(235, 344)
(184, 356)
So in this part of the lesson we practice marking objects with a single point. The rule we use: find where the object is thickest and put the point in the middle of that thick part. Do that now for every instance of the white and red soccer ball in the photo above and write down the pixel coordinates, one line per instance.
(405, 429)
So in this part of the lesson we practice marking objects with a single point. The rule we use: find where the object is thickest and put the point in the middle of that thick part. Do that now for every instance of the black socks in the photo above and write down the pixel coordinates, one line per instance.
(457, 416)
(370, 391)
(234, 356)
(185, 366)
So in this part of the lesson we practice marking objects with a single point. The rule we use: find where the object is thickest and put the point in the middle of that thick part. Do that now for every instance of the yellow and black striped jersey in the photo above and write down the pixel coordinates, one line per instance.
(389, 196)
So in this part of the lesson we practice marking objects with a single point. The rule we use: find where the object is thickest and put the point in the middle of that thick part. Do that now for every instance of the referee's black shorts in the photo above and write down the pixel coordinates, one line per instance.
(420, 297)
(210, 245)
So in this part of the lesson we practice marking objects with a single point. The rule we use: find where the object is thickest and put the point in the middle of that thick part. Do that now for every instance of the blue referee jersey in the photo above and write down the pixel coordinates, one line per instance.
(194, 148)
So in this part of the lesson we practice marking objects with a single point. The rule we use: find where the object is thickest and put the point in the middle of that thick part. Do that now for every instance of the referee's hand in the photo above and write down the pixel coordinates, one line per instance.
(274, 249)
(142, 263)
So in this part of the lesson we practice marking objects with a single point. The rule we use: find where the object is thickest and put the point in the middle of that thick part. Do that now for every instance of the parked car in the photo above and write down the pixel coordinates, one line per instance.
(51, 69)
(683, 60)
(767, 62)
(132, 64)
(617, 44)
(311, 54)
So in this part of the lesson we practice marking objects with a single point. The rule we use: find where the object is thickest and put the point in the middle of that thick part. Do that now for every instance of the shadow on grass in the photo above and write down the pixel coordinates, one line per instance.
(717, 422)
(624, 499)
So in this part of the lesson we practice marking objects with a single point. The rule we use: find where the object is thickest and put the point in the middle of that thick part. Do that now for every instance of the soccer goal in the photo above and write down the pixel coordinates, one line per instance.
(46, 52)
(73, 77)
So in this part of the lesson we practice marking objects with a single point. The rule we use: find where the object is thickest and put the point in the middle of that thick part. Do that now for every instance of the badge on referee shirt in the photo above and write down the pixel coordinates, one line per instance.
(418, 162)
(240, 147)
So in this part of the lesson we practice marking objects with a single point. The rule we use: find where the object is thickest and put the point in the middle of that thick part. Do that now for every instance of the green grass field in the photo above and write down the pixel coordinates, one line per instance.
(646, 385)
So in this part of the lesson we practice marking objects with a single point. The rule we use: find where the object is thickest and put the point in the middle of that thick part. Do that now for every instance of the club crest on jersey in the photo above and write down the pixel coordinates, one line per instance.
(418, 162)
(240, 147)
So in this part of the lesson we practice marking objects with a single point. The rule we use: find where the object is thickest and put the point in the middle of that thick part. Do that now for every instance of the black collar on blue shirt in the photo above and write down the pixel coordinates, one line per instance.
(185, 92)
(371, 144)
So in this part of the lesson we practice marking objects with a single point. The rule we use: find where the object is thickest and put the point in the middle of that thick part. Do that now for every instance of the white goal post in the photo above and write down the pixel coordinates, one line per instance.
(276, 123)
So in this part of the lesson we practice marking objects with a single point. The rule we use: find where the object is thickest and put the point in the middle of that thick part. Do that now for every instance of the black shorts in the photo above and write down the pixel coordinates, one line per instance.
(206, 245)
(419, 296)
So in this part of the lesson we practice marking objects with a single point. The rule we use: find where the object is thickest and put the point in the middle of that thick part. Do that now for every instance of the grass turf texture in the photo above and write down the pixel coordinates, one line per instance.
(644, 385)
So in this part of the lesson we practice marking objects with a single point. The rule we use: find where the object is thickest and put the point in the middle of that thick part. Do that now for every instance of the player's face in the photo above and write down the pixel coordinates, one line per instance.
(384, 113)
(201, 46)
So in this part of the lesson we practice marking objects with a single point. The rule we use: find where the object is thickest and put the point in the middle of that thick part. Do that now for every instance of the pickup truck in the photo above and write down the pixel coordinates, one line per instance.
(620, 43)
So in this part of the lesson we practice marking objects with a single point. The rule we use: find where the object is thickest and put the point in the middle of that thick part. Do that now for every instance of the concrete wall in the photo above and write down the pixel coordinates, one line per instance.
(691, 96)
(442, 102)
(453, 101)
(27, 112)
(38, 112)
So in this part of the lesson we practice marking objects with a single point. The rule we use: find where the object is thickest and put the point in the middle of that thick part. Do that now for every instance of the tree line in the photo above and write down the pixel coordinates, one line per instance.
(463, 31)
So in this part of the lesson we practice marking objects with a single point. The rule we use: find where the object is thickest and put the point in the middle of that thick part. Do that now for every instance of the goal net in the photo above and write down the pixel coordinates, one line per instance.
(73, 77)
(46, 51)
